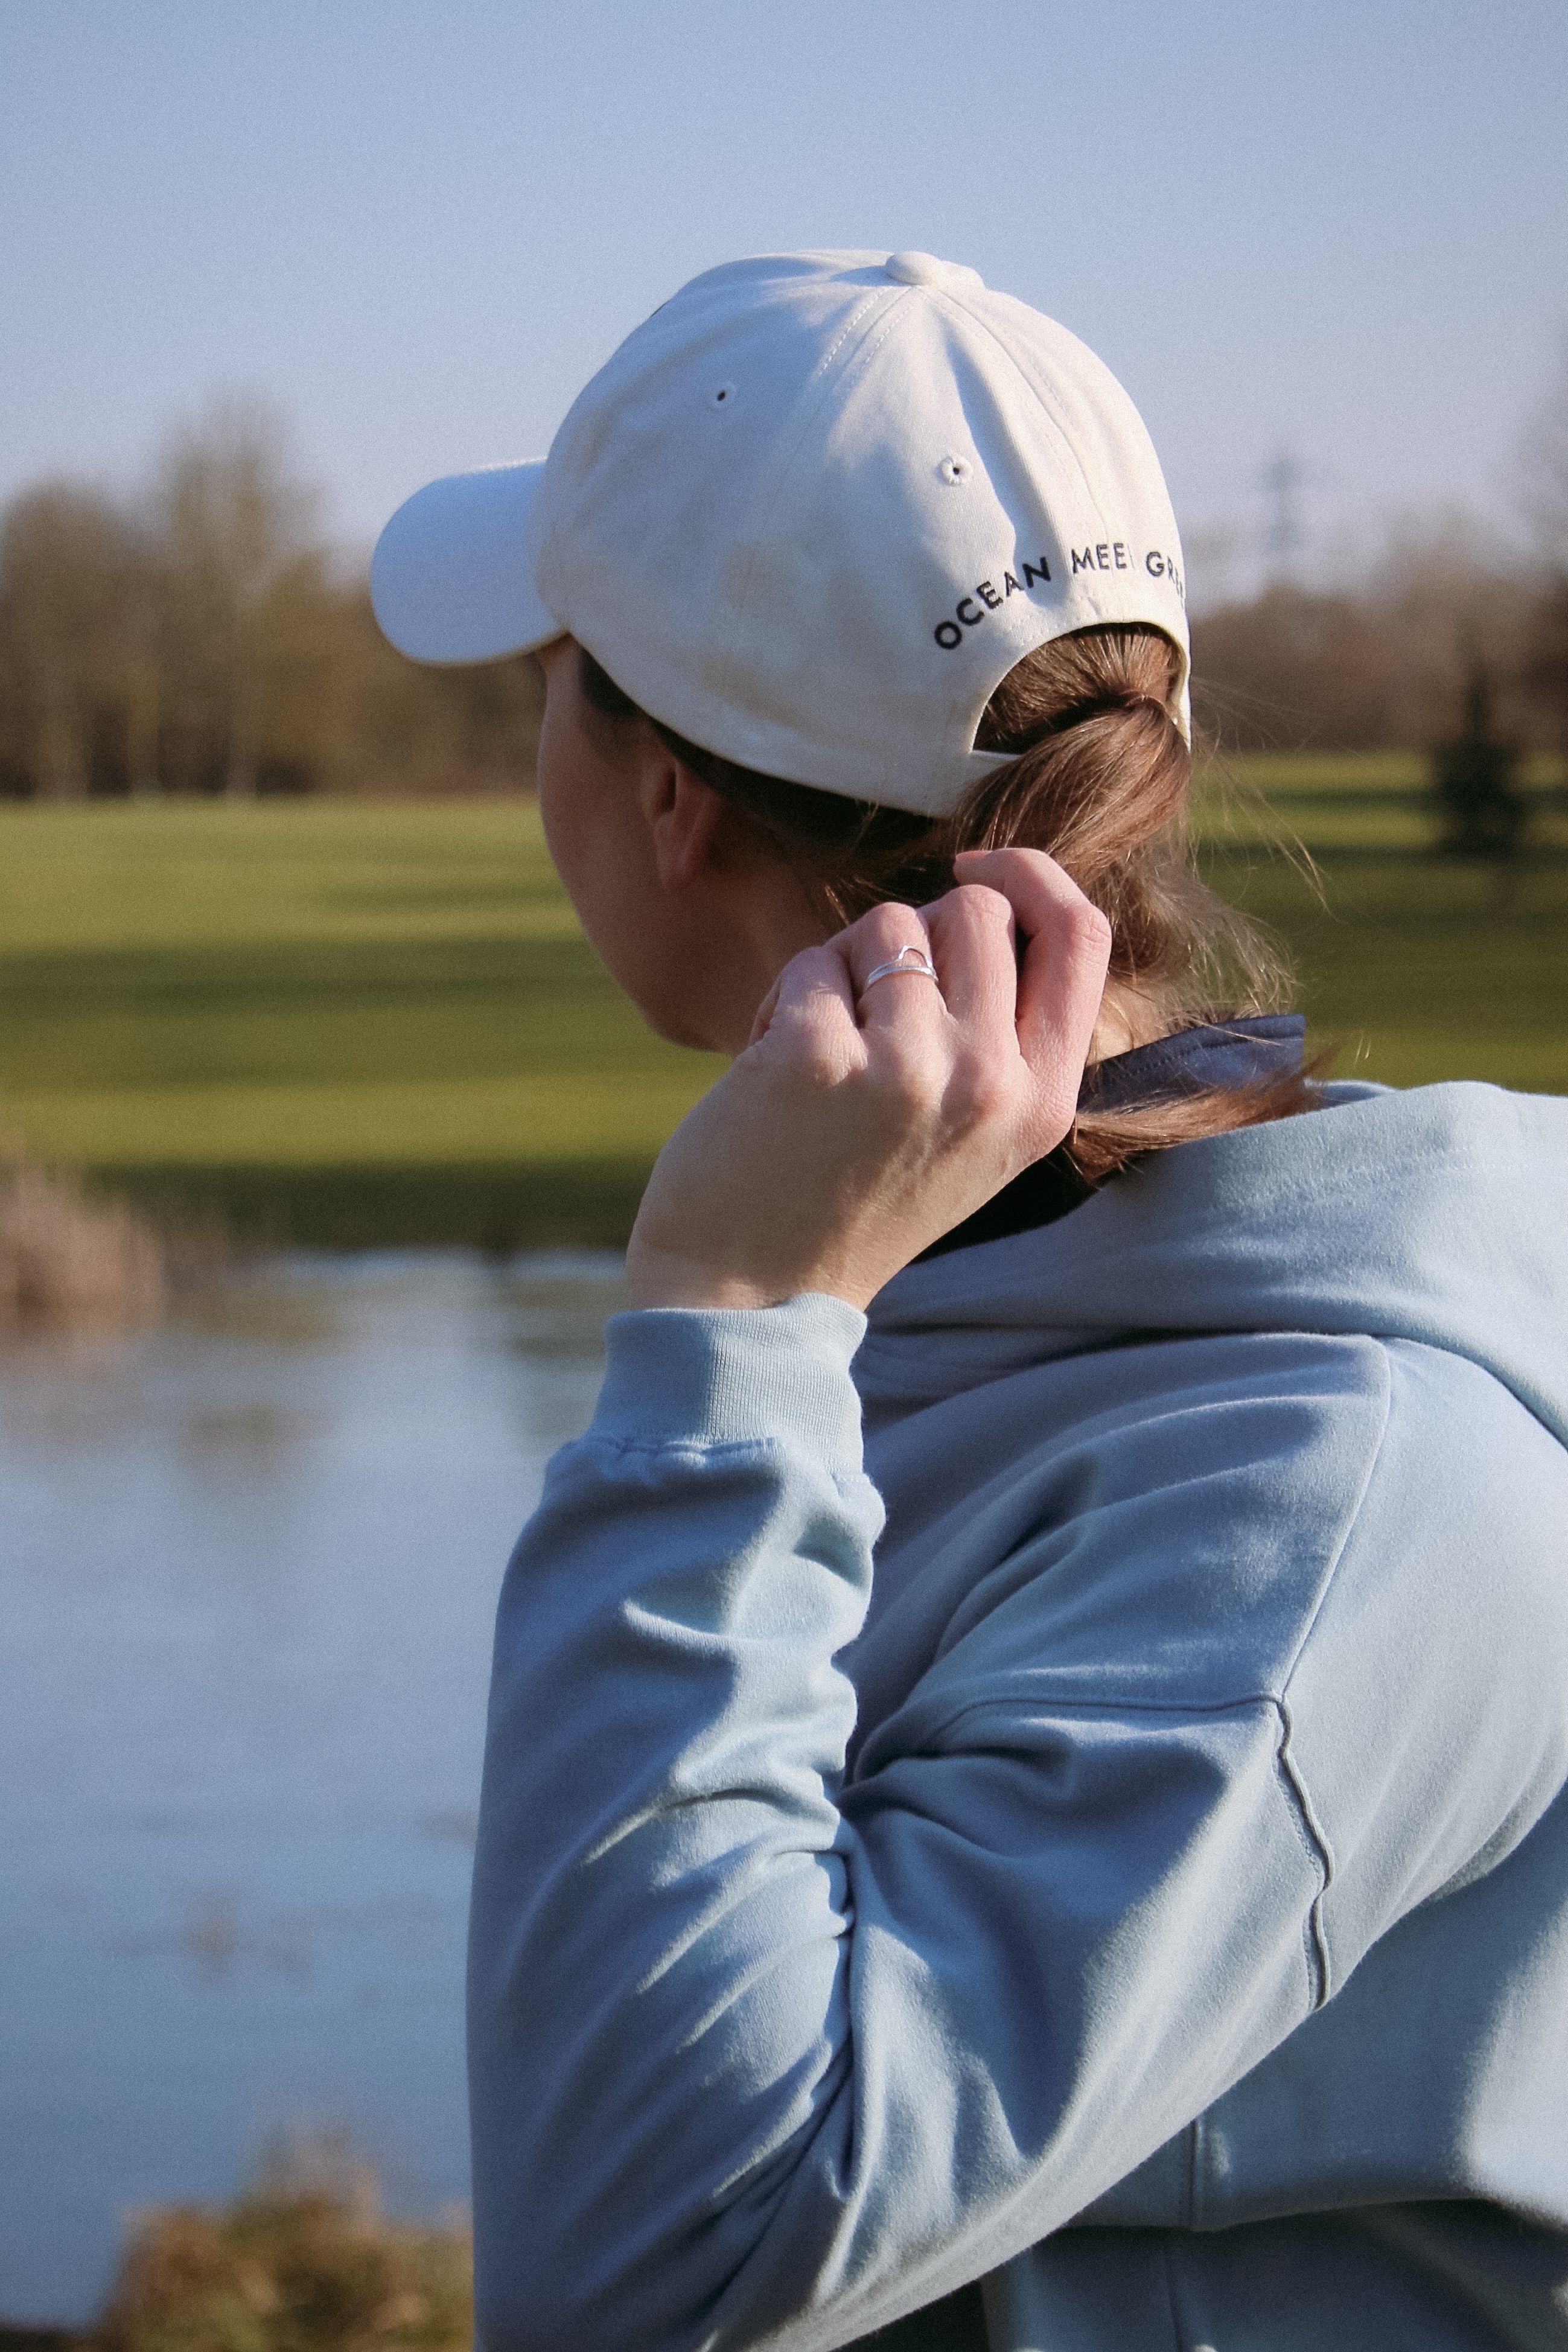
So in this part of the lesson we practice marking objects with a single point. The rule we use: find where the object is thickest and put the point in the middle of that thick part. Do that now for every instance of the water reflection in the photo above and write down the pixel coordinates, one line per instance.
(247, 1569)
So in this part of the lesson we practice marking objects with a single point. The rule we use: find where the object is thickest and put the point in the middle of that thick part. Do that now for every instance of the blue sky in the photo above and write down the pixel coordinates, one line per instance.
(419, 225)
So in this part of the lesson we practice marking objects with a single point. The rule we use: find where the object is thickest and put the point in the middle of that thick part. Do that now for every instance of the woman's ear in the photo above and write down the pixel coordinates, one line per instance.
(682, 815)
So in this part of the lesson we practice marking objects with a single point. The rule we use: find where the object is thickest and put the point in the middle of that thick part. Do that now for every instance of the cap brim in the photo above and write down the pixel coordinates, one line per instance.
(452, 576)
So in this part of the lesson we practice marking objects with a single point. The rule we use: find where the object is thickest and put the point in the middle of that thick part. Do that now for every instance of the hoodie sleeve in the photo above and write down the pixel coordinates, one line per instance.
(756, 2059)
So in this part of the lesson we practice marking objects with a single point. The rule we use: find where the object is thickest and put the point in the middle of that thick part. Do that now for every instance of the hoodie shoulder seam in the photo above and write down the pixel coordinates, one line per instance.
(1321, 1951)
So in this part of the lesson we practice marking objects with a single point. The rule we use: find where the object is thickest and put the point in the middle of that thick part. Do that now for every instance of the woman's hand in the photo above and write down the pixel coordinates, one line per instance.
(862, 1124)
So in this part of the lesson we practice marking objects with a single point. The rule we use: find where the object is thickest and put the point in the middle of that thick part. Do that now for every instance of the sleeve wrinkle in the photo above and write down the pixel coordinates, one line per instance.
(692, 1449)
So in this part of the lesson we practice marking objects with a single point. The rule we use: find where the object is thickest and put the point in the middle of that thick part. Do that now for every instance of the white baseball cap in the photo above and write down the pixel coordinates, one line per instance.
(809, 516)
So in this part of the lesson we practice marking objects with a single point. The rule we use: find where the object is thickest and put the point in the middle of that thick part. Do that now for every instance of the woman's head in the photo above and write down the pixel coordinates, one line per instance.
(875, 565)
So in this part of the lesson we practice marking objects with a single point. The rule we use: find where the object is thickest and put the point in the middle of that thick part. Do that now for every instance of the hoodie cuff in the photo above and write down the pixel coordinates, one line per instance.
(729, 1376)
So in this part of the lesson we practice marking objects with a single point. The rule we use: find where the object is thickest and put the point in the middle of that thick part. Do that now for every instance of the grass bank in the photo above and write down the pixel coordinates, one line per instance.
(350, 1023)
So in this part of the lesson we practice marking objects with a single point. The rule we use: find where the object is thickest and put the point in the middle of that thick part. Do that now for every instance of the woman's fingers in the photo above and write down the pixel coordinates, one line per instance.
(990, 1015)
(1061, 978)
(814, 990)
(972, 936)
(891, 941)
(871, 1115)
(966, 936)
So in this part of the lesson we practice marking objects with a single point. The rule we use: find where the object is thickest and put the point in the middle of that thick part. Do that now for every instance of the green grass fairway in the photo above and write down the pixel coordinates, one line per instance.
(360, 1023)
(1416, 967)
(333, 1021)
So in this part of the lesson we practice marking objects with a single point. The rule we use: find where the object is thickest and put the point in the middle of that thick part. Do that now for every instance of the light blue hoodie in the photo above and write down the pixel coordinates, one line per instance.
(1170, 1839)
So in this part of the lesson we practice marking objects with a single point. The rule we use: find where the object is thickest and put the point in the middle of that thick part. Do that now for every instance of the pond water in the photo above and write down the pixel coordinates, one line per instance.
(248, 1564)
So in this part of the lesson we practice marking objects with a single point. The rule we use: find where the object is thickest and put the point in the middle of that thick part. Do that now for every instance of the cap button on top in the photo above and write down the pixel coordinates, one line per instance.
(925, 269)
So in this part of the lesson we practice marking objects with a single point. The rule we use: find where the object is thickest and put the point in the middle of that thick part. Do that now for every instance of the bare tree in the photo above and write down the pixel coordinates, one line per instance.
(238, 559)
(75, 667)
(1543, 499)
(201, 640)
(1387, 663)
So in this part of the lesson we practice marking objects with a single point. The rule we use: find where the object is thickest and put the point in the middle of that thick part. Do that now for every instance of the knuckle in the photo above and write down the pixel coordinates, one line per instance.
(814, 1043)
(907, 1081)
(816, 968)
(977, 899)
(982, 1088)
(891, 925)
(990, 1094)
(824, 1062)
(1091, 926)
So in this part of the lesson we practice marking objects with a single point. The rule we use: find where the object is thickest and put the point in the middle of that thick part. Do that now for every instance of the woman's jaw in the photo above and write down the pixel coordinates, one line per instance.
(689, 912)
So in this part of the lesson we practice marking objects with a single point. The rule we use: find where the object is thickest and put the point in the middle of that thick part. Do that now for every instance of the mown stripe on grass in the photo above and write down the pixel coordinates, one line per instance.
(545, 1116)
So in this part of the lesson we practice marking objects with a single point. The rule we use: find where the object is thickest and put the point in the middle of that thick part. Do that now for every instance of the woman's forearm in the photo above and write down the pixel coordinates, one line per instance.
(655, 1999)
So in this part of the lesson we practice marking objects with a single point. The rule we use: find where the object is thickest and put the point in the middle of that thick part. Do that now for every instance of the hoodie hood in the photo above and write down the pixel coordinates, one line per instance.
(1439, 1216)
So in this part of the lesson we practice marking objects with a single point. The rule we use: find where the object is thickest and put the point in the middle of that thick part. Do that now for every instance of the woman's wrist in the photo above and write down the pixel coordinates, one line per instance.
(659, 1278)
(886, 1093)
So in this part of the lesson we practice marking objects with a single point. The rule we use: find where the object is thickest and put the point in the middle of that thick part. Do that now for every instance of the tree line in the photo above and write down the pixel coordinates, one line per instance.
(199, 639)
(1397, 665)
(1448, 625)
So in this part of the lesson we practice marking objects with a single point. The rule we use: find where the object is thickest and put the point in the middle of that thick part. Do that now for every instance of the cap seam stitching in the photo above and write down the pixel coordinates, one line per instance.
(815, 391)
(1027, 380)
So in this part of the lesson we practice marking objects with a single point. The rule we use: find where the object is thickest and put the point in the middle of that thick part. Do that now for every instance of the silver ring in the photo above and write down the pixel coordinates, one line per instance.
(921, 968)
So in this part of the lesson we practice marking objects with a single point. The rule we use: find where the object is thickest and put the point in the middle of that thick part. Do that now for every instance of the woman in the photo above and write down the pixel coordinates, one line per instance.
(1024, 1791)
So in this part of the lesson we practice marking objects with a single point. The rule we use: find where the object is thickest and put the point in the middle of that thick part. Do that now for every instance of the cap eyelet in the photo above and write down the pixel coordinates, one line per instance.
(721, 396)
(954, 471)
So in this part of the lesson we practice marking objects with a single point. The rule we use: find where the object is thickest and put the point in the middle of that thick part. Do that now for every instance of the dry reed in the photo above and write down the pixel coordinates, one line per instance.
(71, 1262)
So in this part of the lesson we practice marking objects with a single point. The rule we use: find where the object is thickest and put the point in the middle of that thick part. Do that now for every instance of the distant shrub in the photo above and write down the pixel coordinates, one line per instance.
(1475, 782)
(303, 2271)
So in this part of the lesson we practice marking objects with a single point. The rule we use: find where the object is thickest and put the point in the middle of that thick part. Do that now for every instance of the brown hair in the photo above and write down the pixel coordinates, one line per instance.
(1099, 779)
